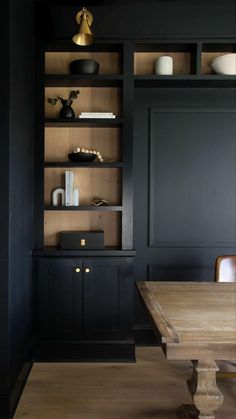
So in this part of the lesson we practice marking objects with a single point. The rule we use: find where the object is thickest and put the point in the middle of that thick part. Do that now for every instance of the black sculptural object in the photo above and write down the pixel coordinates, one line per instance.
(66, 111)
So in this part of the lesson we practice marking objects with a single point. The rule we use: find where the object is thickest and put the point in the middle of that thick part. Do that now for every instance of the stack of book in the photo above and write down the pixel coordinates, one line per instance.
(108, 115)
(71, 194)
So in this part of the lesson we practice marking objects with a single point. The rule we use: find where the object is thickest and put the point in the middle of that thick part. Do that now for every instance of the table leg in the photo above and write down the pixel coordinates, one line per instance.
(206, 396)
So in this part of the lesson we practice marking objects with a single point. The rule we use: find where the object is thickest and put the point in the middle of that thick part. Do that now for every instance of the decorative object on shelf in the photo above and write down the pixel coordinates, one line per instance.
(84, 66)
(71, 194)
(58, 197)
(164, 66)
(97, 115)
(79, 240)
(84, 36)
(225, 65)
(81, 154)
(99, 202)
(76, 197)
(66, 111)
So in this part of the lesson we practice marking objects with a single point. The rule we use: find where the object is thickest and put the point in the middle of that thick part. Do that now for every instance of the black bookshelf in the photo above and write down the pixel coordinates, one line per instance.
(74, 80)
(95, 165)
(56, 251)
(192, 80)
(84, 122)
(84, 208)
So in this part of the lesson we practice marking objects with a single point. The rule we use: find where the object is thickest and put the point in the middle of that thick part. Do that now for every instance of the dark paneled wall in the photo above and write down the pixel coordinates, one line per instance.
(16, 178)
(21, 179)
(137, 18)
(184, 184)
(192, 160)
(4, 202)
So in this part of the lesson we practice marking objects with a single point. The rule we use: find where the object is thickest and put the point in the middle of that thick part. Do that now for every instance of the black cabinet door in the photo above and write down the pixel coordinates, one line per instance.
(60, 298)
(108, 296)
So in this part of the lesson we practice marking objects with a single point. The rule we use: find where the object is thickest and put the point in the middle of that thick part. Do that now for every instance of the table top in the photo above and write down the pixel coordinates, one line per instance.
(194, 319)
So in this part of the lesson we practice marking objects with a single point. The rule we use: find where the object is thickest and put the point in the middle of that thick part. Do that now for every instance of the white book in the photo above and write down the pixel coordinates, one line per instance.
(96, 113)
(97, 116)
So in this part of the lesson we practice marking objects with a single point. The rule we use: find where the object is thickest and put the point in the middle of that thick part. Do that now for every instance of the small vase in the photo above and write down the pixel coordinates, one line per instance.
(164, 66)
(66, 111)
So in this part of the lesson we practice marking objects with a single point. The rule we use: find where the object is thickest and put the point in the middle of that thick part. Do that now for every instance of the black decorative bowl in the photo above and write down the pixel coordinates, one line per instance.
(82, 157)
(84, 67)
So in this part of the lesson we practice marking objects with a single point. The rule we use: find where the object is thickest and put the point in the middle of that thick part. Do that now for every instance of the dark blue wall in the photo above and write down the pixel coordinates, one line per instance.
(137, 18)
(4, 203)
(16, 179)
(123, 18)
(21, 179)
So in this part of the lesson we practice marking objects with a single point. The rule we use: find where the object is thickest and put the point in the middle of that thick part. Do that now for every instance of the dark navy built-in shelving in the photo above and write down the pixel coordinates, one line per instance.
(102, 165)
(191, 80)
(84, 122)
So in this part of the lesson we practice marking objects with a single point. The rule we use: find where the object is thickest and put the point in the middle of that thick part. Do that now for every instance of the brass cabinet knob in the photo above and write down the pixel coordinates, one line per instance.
(87, 270)
(77, 270)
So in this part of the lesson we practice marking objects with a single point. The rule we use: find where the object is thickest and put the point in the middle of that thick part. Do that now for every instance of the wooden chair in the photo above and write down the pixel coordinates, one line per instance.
(225, 268)
(225, 271)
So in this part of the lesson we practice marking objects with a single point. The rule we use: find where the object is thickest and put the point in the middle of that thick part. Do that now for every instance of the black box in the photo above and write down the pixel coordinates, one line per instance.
(82, 240)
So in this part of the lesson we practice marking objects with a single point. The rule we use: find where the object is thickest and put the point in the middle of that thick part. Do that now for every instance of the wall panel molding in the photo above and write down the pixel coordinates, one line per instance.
(163, 142)
(180, 273)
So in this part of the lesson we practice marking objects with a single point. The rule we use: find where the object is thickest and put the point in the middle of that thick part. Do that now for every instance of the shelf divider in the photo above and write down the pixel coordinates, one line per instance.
(84, 208)
(86, 122)
(211, 80)
(92, 165)
(81, 80)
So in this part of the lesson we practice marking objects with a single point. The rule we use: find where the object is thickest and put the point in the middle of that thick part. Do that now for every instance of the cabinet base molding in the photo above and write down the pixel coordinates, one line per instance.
(84, 351)
(144, 335)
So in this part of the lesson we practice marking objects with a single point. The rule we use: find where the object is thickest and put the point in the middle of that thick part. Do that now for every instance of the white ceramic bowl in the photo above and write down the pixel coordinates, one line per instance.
(225, 64)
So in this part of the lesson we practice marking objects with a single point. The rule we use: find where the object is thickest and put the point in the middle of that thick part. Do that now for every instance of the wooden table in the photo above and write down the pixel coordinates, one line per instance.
(197, 321)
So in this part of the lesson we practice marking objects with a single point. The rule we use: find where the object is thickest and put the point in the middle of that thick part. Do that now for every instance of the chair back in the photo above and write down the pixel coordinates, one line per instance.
(225, 268)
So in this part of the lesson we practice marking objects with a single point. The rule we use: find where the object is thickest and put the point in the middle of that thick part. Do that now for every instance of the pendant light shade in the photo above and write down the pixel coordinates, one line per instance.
(84, 37)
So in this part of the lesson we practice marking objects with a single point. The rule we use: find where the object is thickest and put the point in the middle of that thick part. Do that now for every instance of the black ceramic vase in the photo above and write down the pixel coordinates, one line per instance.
(66, 111)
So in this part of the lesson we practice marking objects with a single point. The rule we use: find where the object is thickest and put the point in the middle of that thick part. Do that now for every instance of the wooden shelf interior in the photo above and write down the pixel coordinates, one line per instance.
(58, 62)
(90, 99)
(96, 95)
(92, 182)
(59, 142)
(144, 62)
(109, 222)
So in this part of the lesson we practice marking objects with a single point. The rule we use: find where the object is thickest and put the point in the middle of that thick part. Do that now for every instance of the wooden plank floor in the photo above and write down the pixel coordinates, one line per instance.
(150, 389)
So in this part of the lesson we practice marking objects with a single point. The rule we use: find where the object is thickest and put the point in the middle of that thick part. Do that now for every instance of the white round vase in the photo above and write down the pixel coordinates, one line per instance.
(225, 64)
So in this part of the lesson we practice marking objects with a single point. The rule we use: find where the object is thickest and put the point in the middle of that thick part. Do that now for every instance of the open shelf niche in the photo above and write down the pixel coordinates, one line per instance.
(210, 51)
(110, 63)
(183, 58)
(101, 92)
(191, 64)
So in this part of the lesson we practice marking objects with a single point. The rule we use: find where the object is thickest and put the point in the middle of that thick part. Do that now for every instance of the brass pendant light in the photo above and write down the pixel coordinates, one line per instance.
(84, 37)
